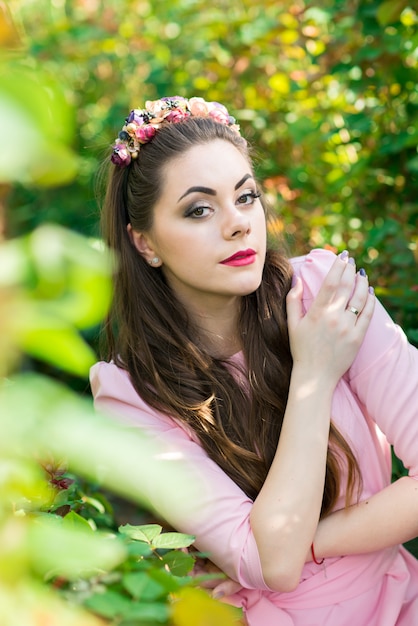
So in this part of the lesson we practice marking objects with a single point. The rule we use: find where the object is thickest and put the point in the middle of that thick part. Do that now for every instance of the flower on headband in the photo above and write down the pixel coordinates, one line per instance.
(198, 107)
(121, 156)
(142, 124)
(219, 115)
(145, 133)
(136, 116)
(177, 116)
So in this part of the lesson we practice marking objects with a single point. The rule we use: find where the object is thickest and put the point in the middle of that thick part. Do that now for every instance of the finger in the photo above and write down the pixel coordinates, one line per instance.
(337, 285)
(360, 294)
(294, 303)
(363, 319)
(227, 588)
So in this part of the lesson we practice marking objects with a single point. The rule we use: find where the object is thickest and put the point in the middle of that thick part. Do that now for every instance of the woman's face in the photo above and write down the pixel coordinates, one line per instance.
(209, 229)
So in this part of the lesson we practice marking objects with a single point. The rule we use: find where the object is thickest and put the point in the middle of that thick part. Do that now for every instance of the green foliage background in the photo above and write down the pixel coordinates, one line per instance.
(327, 93)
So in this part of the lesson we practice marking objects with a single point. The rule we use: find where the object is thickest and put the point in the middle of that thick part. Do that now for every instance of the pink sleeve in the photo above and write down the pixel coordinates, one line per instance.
(219, 513)
(384, 375)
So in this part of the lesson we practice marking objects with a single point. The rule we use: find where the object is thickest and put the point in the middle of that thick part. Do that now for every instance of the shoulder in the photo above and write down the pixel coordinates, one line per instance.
(107, 379)
(114, 394)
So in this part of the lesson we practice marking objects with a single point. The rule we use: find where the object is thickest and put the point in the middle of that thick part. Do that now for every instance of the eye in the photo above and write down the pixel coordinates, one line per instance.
(197, 212)
(248, 197)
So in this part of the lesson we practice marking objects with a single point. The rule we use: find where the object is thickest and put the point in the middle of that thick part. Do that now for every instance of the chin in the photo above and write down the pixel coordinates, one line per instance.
(250, 288)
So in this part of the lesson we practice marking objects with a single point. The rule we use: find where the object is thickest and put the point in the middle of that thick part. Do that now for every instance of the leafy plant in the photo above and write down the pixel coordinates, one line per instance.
(326, 92)
(62, 560)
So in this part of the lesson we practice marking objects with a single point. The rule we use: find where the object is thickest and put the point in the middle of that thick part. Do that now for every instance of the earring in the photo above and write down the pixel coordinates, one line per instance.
(154, 261)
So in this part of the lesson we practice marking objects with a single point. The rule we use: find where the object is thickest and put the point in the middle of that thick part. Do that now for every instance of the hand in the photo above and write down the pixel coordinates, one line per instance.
(326, 340)
(220, 589)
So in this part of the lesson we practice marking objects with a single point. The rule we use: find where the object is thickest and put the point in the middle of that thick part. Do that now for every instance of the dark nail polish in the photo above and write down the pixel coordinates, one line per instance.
(218, 595)
(362, 272)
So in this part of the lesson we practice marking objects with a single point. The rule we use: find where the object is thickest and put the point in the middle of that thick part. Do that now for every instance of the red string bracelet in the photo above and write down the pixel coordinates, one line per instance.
(314, 557)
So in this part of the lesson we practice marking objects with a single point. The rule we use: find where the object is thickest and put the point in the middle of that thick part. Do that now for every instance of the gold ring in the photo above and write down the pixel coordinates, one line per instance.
(352, 309)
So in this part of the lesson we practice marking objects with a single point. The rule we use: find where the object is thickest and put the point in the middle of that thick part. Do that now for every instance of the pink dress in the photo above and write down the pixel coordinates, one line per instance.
(378, 589)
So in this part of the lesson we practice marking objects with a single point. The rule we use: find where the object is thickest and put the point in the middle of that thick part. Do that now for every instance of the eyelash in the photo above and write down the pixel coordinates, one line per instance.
(249, 194)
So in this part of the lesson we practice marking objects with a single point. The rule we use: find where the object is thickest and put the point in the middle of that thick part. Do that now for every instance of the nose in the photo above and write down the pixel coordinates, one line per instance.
(235, 223)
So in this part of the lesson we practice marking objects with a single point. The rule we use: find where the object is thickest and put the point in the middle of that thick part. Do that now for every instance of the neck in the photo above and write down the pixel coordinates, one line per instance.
(217, 329)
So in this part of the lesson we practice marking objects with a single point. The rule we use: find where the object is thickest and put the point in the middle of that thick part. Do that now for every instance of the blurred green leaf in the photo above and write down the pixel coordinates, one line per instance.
(55, 421)
(156, 611)
(169, 541)
(36, 125)
(73, 520)
(63, 284)
(142, 587)
(60, 346)
(390, 11)
(109, 604)
(58, 549)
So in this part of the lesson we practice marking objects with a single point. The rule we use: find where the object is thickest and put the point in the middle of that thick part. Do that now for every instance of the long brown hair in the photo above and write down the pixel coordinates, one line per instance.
(150, 334)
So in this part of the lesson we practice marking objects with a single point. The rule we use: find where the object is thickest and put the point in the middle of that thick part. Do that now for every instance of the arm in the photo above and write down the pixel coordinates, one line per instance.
(386, 519)
(210, 505)
(384, 377)
(324, 342)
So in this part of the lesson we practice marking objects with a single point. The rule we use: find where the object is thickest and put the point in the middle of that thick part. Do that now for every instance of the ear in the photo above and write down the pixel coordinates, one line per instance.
(143, 243)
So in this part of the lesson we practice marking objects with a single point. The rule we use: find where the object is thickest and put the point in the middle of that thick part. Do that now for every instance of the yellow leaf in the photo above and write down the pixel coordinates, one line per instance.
(194, 607)
(9, 36)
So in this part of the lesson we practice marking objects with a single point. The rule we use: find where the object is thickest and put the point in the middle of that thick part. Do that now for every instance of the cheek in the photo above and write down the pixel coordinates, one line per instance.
(182, 251)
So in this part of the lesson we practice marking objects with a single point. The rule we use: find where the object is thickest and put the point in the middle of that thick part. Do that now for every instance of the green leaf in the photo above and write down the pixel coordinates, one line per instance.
(170, 583)
(57, 344)
(412, 164)
(141, 586)
(147, 611)
(109, 604)
(57, 549)
(139, 549)
(95, 503)
(74, 520)
(34, 113)
(173, 540)
(146, 532)
(179, 563)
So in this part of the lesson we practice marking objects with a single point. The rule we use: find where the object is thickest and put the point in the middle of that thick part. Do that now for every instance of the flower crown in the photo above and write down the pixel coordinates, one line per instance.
(142, 124)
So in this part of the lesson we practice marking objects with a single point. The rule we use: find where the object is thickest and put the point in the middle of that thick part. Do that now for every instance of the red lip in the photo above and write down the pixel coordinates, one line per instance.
(242, 254)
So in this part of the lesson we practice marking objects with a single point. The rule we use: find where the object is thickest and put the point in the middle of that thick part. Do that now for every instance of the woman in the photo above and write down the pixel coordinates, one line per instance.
(274, 381)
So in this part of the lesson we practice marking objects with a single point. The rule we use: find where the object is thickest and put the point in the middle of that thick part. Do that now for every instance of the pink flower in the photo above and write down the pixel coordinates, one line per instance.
(219, 115)
(198, 107)
(120, 155)
(177, 116)
(155, 106)
(145, 133)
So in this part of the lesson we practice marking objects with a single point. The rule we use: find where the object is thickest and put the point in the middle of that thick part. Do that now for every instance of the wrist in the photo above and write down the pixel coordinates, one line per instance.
(312, 380)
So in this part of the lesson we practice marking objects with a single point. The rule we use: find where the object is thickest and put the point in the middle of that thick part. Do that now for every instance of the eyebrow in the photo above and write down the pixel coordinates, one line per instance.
(211, 192)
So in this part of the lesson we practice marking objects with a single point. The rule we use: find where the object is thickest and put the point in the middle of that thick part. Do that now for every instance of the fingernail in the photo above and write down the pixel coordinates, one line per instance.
(371, 291)
(344, 255)
(218, 595)
(351, 260)
(362, 272)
